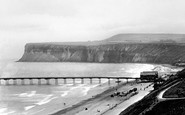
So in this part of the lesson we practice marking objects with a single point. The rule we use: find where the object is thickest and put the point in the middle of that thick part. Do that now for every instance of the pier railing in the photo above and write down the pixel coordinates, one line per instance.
(56, 79)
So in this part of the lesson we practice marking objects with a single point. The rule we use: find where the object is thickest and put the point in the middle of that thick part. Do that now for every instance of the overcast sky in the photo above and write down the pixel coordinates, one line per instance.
(23, 21)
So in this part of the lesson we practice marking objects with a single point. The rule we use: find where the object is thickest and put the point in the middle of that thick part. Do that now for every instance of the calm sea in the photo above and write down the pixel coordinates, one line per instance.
(45, 99)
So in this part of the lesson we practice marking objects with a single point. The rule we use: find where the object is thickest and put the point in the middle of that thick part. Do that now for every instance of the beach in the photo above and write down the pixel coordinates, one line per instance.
(105, 104)
(69, 98)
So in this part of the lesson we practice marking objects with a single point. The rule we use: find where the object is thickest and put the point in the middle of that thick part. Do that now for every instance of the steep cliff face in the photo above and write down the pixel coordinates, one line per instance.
(105, 53)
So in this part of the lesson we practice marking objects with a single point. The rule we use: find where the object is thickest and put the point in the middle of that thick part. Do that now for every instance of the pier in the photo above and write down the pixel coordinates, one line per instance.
(22, 81)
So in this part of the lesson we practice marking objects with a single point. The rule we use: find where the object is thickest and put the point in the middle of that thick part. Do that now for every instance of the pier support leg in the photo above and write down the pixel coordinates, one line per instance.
(14, 82)
(39, 81)
(73, 81)
(56, 81)
(22, 81)
(65, 81)
(31, 81)
(118, 81)
(108, 81)
(0, 82)
(127, 80)
(82, 80)
(7, 82)
(90, 80)
(47, 81)
(99, 80)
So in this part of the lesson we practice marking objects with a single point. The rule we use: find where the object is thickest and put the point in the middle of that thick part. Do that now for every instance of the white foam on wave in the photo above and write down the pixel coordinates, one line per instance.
(87, 88)
(5, 111)
(28, 107)
(47, 99)
(161, 68)
(135, 71)
(64, 93)
(27, 94)
(2, 110)
(78, 86)
(81, 90)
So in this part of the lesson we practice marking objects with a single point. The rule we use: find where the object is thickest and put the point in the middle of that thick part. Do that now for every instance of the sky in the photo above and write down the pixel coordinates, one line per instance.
(25, 21)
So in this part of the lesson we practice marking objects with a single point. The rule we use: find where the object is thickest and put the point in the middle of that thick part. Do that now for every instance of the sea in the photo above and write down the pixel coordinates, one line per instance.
(47, 99)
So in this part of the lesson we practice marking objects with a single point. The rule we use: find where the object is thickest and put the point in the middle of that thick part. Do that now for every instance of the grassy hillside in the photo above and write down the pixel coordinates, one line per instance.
(147, 38)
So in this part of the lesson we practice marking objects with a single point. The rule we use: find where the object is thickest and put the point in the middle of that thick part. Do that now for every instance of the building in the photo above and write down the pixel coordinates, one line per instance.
(149, 75)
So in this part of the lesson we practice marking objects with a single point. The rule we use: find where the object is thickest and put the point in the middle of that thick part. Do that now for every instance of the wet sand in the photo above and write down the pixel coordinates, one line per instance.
(103, 102)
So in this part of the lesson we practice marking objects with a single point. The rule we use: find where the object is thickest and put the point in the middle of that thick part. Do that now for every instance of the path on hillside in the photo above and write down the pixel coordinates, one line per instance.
(161, 94)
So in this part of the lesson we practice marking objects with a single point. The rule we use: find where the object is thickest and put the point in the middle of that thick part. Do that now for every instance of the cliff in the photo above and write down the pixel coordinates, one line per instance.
(163, 53)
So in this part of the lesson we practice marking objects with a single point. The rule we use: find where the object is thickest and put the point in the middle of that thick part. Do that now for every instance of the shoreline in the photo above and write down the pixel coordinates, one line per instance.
(78, 108)
(101, 99)
(94, 62)
(111, 88)
(59, 104)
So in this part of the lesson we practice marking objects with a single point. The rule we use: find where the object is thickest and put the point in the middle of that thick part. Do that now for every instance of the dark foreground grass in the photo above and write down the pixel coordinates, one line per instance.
(170, 107)
(178, 91)
(146, 105)
(174, 106)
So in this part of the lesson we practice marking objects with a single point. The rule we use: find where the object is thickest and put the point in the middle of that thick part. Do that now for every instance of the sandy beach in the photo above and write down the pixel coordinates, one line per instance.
(105, 104)
(131, 100)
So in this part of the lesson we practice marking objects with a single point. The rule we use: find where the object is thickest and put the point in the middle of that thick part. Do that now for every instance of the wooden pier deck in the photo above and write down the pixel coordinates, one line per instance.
(22, 79)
